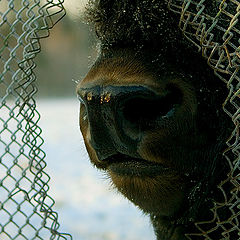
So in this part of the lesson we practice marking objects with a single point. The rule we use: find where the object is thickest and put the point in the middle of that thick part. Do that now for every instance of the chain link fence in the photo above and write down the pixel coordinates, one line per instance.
(25, 206)
(213, 26)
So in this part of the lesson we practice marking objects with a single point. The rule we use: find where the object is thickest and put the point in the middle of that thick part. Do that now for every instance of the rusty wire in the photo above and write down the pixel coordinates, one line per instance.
(215, 31)
(25, 206)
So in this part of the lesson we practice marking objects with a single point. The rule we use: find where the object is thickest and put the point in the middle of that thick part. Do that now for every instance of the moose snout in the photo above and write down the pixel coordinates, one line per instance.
(118, 116)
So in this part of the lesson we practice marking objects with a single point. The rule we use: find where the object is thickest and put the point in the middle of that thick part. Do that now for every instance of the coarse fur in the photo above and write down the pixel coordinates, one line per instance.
(167, 166)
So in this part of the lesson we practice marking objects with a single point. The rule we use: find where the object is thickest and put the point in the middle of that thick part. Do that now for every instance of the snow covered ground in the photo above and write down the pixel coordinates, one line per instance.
(87, 207)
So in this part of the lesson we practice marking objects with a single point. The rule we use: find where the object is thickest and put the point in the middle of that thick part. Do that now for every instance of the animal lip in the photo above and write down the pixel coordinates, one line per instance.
(125, 165)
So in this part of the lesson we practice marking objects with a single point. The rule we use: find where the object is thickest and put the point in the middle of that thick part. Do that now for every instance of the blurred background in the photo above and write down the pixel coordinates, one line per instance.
(66, 54)
(87, 207)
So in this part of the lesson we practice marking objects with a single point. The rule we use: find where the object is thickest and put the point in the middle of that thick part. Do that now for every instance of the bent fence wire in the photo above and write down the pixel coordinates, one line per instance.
(25, 206)
(213, 26)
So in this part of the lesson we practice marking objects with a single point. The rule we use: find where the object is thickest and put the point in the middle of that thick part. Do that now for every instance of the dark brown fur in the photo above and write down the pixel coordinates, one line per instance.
(142, 46)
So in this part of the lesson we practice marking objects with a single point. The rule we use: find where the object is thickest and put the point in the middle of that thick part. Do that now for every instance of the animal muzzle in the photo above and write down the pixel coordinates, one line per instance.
(119, 116)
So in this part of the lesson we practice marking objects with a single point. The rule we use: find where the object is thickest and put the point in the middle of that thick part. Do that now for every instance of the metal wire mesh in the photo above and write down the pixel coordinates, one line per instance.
(25, 206)
(213, 26)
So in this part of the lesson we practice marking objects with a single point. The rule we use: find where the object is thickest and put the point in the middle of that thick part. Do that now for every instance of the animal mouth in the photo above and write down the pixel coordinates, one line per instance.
(125, 165)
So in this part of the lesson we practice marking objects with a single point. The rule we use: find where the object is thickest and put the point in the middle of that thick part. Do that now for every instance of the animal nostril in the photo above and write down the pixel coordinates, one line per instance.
(140, 108)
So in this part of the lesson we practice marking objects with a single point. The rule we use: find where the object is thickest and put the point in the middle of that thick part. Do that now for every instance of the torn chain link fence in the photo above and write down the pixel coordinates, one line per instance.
(213, 27)
(25, 206)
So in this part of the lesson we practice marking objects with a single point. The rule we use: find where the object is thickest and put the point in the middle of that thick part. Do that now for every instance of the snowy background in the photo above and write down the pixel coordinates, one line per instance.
(87, 207)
